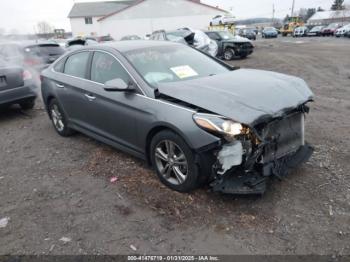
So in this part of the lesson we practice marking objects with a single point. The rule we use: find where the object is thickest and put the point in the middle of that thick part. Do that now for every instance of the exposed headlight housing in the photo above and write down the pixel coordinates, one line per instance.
(217, 124)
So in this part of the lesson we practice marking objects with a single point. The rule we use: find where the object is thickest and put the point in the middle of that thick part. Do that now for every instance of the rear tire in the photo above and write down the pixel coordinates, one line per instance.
(174, 162)
(28, 104)
(59, 119)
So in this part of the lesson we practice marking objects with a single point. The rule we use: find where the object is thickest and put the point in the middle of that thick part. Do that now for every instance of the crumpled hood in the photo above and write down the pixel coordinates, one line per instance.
(244, 95)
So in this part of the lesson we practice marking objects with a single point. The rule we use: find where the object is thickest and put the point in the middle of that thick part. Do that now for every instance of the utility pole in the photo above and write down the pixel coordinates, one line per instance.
(273, 14)
(293, 8)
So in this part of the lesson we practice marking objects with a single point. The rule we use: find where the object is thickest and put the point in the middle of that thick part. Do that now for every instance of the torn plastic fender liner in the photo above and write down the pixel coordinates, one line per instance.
(231, 155)
(255, 182)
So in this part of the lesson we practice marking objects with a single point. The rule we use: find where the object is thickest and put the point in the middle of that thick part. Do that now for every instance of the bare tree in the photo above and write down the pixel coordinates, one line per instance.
(44, 28)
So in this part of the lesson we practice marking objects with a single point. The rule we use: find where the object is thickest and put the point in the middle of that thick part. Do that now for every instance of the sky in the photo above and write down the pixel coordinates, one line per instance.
(21, 16)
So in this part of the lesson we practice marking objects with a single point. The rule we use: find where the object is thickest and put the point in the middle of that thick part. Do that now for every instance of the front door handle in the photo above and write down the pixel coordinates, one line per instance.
(90, 97)
(60, 86)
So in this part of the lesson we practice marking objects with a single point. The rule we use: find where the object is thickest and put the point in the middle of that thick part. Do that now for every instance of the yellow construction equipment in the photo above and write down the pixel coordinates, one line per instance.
(292, 23)
(230, 28)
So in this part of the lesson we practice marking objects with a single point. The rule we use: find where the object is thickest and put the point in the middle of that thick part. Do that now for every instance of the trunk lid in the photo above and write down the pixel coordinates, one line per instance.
(10, 77)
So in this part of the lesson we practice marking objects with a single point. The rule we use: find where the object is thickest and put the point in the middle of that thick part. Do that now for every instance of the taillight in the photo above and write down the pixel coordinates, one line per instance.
(27, 75)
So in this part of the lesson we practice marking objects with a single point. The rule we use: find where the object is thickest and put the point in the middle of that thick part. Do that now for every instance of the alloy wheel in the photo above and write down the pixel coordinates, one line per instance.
(57, 118)
(171, 162)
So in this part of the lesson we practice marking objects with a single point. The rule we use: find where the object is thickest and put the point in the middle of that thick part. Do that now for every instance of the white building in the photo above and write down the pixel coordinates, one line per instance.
(139, 17)
(328, 17)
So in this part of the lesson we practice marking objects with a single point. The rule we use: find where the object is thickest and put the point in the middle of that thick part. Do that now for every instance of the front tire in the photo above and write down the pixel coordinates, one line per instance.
(59, 119)
(174, 162)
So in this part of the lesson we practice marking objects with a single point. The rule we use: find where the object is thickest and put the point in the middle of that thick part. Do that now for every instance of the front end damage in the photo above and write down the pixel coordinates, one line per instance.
(269, 149)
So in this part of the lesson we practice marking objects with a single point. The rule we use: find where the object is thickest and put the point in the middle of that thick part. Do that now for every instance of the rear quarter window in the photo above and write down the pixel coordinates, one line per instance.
(59, 66)
(76, 64)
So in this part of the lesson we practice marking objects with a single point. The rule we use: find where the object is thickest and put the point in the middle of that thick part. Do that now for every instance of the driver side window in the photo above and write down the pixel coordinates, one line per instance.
(105, 68)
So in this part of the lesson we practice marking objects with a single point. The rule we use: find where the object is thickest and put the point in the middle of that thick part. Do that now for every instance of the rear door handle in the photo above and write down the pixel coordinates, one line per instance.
(90, 97)
(60, 86)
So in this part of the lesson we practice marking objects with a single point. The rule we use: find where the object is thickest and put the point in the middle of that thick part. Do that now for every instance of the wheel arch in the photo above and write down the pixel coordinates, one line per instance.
(47, 101)
(157, 129)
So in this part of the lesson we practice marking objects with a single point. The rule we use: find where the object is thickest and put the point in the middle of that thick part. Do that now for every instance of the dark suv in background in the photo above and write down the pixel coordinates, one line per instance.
(247, 33)
(30, 54)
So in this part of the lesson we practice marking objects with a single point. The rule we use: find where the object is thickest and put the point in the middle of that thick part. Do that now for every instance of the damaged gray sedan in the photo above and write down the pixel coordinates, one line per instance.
(195, 119)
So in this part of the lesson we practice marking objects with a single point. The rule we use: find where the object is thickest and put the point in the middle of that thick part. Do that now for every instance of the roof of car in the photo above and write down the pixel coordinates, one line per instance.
(126, 46)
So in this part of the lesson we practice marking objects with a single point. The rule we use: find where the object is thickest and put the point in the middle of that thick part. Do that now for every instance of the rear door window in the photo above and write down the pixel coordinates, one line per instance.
(76, 64)
(105, 68)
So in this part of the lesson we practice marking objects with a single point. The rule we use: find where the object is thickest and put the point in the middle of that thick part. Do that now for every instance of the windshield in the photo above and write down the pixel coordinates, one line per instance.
(226, 35)
(331, 26)
(317, 28)
(249, 31)
(172, 64)
(270, 29)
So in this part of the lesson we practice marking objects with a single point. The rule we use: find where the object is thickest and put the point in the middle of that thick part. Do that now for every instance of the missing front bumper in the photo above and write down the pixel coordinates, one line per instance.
(255, 182)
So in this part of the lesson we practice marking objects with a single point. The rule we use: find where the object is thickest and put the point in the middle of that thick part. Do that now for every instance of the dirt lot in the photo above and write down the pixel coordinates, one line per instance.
(58, 196)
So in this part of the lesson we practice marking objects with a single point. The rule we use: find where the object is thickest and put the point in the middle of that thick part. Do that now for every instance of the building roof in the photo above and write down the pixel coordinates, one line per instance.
(136, 2)
(108, 8)
(96, 9)
(325, 15)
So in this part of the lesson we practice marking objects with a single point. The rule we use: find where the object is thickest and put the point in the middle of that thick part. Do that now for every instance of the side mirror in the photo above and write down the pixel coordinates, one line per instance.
(117, 85)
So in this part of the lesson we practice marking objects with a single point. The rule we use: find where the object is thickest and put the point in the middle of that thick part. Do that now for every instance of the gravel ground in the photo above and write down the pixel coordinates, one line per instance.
(56, 196)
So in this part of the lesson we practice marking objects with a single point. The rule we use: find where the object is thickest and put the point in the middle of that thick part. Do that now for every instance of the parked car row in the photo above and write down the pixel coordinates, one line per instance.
(334, 29)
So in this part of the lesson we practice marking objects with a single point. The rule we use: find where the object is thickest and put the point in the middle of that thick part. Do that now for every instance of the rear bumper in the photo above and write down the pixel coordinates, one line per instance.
(255, 182)
(18, 94)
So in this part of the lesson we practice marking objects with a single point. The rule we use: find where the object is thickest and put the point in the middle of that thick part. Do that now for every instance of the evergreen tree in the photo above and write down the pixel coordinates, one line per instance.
(338, 5)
